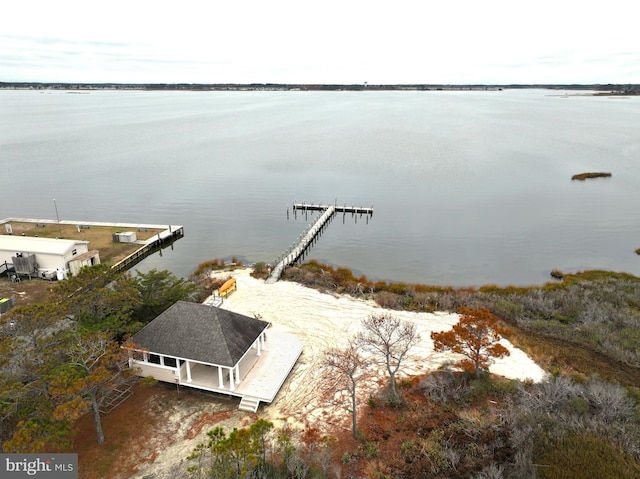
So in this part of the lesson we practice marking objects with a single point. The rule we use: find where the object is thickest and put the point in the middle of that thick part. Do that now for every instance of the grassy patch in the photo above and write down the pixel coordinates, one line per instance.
(585, 176)
(585, 456)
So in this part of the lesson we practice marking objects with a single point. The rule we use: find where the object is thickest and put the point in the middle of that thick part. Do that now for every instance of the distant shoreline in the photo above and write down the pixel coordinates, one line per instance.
(601, 89)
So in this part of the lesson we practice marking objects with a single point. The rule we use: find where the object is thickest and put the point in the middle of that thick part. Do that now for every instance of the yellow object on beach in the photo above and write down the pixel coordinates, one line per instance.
(227, 287)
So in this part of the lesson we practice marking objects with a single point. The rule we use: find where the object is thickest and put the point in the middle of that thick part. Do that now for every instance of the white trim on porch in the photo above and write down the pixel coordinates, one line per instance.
(259, 376)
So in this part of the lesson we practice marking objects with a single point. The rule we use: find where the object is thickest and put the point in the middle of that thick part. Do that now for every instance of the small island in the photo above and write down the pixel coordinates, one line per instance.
(584, 176)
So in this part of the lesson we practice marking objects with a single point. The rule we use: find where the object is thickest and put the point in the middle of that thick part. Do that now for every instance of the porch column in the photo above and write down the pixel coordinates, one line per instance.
(220, 378)
(259, 346)
(188, 371)
(238, 379)
(263, 338)
(232, 384)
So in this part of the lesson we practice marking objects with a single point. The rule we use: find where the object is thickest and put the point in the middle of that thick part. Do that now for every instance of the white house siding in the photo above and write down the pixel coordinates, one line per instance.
(161, 373)
(204, 376)
(51, 254)
(76, 251)
(183, 372)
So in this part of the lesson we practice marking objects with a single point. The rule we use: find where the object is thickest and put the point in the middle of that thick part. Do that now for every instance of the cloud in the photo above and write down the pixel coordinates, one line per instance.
(409, 41)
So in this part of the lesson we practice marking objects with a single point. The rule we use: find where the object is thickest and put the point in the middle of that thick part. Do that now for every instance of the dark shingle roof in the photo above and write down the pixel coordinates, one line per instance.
(200, 332)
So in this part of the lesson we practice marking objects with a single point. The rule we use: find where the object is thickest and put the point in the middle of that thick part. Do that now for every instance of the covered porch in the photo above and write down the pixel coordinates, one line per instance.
(259, 374)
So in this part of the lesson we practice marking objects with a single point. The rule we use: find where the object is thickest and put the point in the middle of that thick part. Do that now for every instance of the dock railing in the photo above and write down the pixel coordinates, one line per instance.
(311, 232)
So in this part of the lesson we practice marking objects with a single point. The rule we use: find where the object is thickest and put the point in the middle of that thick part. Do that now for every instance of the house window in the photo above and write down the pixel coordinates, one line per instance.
(171, 362)
(154, 358)
(74, 252)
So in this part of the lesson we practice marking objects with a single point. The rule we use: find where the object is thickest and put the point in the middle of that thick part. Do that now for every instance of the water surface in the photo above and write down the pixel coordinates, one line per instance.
(468, 188)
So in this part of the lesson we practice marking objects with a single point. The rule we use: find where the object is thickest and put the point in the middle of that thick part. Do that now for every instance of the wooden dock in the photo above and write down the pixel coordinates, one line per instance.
(311, 233)
(164, 238)
(338, 209)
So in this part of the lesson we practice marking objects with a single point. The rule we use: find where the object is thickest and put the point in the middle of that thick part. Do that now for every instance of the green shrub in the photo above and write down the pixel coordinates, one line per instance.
(634, 393)
(371, 450)
(585, 456)
(347, 457)
(502, 386)
(579, 405)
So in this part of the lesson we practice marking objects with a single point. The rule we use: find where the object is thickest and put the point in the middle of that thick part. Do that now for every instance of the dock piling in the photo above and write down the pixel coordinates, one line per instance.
(297, 252)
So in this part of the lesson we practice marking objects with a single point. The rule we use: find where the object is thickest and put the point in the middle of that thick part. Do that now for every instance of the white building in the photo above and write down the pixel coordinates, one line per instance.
(217, 350)
(45, 257)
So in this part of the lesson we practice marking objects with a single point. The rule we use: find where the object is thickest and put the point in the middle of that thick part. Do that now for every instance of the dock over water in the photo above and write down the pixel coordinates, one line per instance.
(337, 208)
(312, 232)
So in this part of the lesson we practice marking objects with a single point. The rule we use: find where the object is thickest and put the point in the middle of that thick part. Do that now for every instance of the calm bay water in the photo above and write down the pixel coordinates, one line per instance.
(468, 188)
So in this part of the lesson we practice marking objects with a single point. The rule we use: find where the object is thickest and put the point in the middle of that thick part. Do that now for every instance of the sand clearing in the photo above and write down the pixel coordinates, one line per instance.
(320, 320)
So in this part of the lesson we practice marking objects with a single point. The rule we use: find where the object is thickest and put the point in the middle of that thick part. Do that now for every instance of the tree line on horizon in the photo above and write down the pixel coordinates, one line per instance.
(623, 89)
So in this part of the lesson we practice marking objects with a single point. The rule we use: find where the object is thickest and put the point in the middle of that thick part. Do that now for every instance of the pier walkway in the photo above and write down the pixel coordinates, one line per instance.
(313, 230)
(337, 209)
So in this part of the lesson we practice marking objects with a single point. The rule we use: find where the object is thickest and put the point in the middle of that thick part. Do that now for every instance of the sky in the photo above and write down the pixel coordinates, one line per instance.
(333, 41)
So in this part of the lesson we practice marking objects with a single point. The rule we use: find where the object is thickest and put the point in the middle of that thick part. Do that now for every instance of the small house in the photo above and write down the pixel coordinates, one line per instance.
(210, 348)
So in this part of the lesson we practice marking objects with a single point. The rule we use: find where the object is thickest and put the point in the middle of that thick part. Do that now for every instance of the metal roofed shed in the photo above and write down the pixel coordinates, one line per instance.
(90, 258)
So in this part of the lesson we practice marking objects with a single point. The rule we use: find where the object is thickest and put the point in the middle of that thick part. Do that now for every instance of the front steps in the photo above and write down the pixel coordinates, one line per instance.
(249, 404)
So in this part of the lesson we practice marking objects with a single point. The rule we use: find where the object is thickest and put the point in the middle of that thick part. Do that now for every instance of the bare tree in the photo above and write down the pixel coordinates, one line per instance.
(390, 339)
(344, 369)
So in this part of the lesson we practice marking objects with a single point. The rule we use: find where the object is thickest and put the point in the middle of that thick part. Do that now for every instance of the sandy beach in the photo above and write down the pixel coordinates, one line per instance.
(321, 320)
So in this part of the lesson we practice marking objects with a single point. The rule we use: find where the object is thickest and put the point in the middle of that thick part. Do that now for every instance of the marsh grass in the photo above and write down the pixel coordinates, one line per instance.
(585, 176)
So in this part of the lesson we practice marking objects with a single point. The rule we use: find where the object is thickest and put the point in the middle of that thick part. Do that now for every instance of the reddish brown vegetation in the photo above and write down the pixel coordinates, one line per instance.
(138, 430)
(476, 336)
(425, 438)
